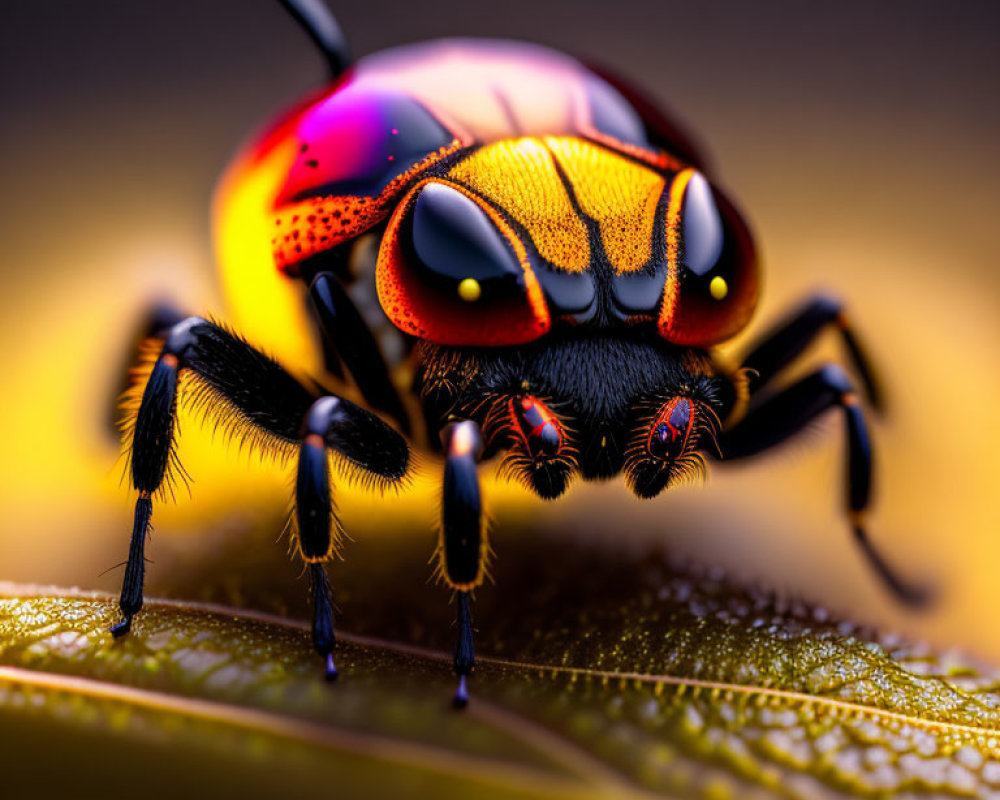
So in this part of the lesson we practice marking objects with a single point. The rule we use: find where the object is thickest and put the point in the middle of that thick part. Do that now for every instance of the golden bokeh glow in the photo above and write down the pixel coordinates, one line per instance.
(896, 218)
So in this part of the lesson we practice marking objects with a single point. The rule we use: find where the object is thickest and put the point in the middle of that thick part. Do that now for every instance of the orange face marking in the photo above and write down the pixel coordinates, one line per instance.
(620, 194)
(521, 176)
(706, 302)
(672, 290)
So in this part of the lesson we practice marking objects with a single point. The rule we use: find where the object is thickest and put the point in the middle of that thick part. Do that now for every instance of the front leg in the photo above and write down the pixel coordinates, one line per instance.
(463, 545)
(317, 527)
(261, 403)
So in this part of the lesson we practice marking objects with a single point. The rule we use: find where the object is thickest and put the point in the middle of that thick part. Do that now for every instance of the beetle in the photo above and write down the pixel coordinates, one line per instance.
(548, 257)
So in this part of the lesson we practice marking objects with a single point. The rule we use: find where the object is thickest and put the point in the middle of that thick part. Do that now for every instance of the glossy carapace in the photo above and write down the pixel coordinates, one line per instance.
(516, 185)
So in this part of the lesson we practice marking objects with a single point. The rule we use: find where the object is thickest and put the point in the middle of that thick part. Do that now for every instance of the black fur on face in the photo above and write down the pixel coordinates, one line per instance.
(609, 393)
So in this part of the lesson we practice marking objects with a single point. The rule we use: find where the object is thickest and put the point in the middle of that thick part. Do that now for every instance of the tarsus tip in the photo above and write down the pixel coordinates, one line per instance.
(916, 597)
(331, 669)
(461, 699)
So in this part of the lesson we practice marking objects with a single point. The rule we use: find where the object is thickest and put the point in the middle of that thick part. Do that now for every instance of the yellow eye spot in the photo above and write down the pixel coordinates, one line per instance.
(470, 290)
(718, 288)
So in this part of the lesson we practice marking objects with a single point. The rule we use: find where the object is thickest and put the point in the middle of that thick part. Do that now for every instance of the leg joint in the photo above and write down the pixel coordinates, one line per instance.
(321, 416)
(827, 306)
(462, 439)
(833, 377)
(181, 338)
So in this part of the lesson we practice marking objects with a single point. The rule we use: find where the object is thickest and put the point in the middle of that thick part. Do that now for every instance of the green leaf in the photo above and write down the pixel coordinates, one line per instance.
(657, 682)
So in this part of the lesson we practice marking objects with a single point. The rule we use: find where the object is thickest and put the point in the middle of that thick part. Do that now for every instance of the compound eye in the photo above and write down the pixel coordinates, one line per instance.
(457, 249)
(452, 271)
(712, 280)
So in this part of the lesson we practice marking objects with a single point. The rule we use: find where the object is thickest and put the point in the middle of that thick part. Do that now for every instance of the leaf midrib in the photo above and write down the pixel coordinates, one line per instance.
(839, 708)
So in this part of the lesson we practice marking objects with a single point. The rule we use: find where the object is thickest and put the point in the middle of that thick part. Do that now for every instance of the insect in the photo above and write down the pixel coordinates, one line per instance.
(547, 257)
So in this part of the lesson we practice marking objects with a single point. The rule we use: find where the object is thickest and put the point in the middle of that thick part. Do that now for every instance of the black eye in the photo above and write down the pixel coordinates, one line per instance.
(458, 249)
(702, 234)
(715, 279)
(451, 270)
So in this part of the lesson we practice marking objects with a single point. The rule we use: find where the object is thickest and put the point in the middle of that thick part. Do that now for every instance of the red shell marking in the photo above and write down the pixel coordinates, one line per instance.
(403, 117)
(397, 113)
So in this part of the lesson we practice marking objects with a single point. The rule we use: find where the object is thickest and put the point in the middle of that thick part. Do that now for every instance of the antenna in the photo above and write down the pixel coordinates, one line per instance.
(317, 21)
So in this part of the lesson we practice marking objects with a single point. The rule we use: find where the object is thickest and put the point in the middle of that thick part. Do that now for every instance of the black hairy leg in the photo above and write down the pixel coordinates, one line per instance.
(265, 407)
(155, 323)
(792, 336)
(773, 420)
(333, 424)
(463, 547)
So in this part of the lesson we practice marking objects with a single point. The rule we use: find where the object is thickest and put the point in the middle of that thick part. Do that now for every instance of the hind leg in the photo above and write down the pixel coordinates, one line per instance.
(775, 419)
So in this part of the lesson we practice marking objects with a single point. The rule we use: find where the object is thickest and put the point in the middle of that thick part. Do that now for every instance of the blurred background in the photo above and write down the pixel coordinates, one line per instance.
(860, 138)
